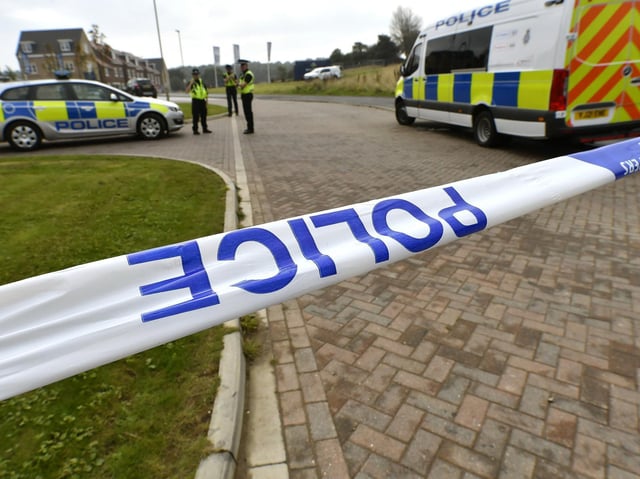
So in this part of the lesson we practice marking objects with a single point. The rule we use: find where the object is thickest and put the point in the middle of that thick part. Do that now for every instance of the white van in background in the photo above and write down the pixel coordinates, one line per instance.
(324, 73)
(530, 68)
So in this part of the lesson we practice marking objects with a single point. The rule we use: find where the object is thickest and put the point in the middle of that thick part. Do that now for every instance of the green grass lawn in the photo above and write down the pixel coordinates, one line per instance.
(143, 416)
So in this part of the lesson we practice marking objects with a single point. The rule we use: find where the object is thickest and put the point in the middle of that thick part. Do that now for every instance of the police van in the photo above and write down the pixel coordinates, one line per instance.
(31, 111)
(528, 68)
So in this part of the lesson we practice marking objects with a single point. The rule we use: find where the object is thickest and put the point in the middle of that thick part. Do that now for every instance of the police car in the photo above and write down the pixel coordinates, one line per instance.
(31, 111)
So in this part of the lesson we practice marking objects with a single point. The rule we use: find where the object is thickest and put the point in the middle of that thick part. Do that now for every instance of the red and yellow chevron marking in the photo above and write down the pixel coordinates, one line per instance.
(608, 40)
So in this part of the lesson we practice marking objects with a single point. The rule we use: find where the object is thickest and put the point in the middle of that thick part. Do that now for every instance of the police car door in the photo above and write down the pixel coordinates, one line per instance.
(604, 63)
(96, 111)
(50, 107)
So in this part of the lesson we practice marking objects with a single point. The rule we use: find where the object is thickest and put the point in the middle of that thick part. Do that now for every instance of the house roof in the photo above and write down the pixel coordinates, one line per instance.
(41, 38)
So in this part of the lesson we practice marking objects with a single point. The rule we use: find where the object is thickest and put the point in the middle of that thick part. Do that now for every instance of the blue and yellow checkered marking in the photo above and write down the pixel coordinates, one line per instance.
(74, 110)
(516, 89)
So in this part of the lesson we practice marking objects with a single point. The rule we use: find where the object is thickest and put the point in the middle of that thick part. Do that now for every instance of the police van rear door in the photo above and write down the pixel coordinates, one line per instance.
(604, 63)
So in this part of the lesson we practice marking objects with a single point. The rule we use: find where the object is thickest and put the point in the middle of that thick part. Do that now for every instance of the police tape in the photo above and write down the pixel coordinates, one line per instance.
(59, 324)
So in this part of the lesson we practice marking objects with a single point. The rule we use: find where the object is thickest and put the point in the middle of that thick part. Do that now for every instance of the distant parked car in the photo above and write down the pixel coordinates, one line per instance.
(141, 87)
(323, 73)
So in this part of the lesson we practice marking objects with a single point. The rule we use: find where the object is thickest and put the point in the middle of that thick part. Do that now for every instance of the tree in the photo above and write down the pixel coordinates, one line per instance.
(336, 57)
(359, 52)
(405, 28)
(9, 74)
(384, 50)
(97, 36)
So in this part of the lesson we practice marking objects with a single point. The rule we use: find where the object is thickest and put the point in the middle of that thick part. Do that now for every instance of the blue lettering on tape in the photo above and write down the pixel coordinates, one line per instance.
(415, 245)
(286, 267)
(326, 266)
(353, 221)
(621, 159)
(460, 205)
(195, 278)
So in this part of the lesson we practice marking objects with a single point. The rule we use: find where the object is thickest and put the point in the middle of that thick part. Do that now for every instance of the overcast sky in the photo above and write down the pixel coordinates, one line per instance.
(297, 30)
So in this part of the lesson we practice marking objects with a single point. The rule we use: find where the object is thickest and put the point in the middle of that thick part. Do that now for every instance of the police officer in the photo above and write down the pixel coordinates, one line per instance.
(199, 97)
(230, 84)
(246, 94)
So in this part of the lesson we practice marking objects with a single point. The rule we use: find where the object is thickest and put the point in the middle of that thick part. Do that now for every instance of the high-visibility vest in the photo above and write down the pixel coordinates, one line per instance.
(248, 88)
(229, 79)
(198, 90)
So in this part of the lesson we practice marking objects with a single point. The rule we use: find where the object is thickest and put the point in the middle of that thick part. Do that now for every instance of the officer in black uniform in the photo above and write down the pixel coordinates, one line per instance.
(199, 98)
(246, 94)
(231, 87)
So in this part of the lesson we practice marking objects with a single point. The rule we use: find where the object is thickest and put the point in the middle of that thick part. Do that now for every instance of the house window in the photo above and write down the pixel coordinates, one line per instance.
(69, 66)
(65, 45)
(32, 69)
(27, 47)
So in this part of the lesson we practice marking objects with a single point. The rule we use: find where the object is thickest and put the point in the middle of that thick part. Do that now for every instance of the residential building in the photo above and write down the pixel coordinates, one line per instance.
(41, 53)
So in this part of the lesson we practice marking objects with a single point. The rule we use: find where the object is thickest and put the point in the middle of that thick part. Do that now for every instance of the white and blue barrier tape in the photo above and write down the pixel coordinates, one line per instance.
(59, 324)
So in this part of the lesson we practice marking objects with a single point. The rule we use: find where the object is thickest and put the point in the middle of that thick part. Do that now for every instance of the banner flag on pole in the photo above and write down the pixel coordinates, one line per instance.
(59, 324)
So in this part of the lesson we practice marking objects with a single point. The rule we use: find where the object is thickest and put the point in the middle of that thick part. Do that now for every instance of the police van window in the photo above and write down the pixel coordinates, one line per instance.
(439, 55)
(16, 94)
(413, 62)
(88, 92)
(52, 91)
(466, 51)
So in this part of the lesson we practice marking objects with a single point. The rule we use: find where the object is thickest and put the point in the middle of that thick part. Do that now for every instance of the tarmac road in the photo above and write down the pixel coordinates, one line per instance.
(511, 353)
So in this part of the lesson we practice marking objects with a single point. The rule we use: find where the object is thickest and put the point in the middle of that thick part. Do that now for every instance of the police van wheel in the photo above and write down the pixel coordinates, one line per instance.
(401, 114)
(151, 126)
(484, 129)
(24, 136)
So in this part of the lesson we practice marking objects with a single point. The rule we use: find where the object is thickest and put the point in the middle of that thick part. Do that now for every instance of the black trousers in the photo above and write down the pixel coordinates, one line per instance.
(199, 112)
(232, 99)
(247, 98)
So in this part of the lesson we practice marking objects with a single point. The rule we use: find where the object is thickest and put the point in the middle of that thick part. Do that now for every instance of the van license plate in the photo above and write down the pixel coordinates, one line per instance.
(590, 114)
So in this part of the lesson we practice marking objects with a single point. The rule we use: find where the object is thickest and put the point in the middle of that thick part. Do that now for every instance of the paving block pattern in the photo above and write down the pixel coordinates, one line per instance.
(512, 353)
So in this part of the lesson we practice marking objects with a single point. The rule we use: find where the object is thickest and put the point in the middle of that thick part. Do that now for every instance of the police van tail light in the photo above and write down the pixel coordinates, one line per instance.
(558, 97)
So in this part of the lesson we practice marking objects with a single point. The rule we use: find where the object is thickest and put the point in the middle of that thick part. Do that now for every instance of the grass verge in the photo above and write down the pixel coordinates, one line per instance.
(143, 416)
(362, 81)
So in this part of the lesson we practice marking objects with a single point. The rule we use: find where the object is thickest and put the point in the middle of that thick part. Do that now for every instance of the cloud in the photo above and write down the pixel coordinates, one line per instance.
(297, 30)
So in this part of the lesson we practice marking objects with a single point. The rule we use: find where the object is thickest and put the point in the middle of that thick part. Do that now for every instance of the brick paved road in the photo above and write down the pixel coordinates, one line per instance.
(511, 353)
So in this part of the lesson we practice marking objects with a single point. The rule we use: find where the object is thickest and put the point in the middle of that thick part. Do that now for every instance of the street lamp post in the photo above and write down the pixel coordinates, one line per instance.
(180, 43)
(268, 62)
(184, 82)
(166, 83)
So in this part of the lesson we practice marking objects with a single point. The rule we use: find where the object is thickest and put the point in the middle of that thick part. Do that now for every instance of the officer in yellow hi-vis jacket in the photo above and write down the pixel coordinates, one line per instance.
(231, 84)
(199, 97)
(246, 94)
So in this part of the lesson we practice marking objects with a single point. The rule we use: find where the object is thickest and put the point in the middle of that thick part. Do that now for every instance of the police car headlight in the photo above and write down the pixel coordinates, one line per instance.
(174, 108)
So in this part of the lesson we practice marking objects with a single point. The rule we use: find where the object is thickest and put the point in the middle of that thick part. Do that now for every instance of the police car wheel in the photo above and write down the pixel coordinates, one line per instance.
(484, 129)
(401, 114)
(24, 136)
(151, 126)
